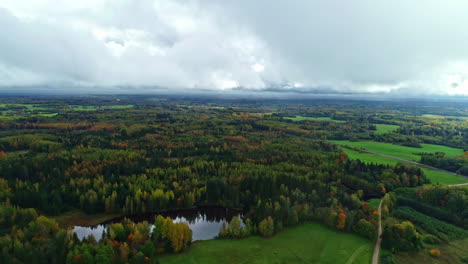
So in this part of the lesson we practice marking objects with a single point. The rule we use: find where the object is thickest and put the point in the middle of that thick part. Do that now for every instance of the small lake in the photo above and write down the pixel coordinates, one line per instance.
(205, 222)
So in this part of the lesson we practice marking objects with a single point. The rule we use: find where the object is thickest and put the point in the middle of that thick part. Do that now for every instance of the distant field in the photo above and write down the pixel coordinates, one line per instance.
(441, 117)
(383, 128)
(301, 118)
(95, 108)
(118, 106)
(402, 152)
(83, 108)
(306, 243)
(24, 110)
(433, 175)
(48, 115)
(21, 108)
(30, 107)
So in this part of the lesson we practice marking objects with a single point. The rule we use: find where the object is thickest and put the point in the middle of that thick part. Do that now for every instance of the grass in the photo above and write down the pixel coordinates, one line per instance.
(453, 252)
(301, 118)
(83, 108)
(217, 107)
(118, 106)
(79, 218)
(443, 117)
(374, 203)
(94, 108)
(31, 107)
(12, 112)
(384, 129)
(39, 114)
(306, 243)
(369, 158)
(48, 114)
(436, 177)
(401, 152)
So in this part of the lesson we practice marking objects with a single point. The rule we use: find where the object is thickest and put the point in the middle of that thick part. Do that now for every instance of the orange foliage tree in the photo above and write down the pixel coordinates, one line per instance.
(341, 221)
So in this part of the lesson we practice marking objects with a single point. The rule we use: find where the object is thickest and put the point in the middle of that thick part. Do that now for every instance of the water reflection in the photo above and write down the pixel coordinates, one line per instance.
(205, 222)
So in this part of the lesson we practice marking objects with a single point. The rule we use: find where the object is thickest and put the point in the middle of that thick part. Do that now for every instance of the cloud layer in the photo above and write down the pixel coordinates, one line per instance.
(395, 47)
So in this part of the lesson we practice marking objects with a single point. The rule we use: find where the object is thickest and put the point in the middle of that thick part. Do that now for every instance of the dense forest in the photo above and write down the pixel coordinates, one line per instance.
(272, 160)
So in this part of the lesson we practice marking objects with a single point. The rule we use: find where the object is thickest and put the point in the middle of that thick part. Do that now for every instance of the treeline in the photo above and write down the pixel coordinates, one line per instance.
(132, 181)
(439, 212)
(38, 239)
(458, 165)
(440, 229)
(448, 204)
(269, 218)
(388, 177)
(447, 134)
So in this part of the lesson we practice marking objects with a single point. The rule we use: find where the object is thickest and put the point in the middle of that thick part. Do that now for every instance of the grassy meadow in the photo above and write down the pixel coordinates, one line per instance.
(402, 152)
(301, 118)
(374, 203)
(306, 243)
(95, 108)
(15, 111)
(436, 177)
(383, 128)
(444, 117)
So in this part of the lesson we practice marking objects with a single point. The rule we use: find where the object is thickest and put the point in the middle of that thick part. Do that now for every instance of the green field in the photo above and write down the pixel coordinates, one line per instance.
(48, 115)
(21, 108)
(118, 106)
(301, 118)
(306, 243)
(374, 203)
(442, 117)
(383, 128)
(30, 107)
(401, 152)
(83, 108)
(436, 177)
(94, 108)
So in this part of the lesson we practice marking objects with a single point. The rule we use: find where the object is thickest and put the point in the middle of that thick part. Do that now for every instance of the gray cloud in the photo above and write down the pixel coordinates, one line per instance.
(36, 52)
(294, 46)
(359, 42)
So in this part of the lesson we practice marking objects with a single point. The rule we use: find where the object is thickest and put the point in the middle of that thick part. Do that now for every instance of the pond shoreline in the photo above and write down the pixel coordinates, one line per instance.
(204, 221)
(173, 213)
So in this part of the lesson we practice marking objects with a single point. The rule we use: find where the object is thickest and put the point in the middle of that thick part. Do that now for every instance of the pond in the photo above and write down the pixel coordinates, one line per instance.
(205, 222)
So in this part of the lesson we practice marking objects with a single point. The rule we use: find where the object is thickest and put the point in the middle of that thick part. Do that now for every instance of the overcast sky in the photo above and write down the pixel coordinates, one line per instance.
(333, 46)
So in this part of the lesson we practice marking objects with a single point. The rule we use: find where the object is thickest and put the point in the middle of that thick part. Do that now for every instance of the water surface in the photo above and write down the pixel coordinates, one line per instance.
(205, 222)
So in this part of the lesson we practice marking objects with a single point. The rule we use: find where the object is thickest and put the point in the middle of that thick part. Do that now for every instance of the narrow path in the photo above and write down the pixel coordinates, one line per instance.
(413, 162)
(375, 257)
